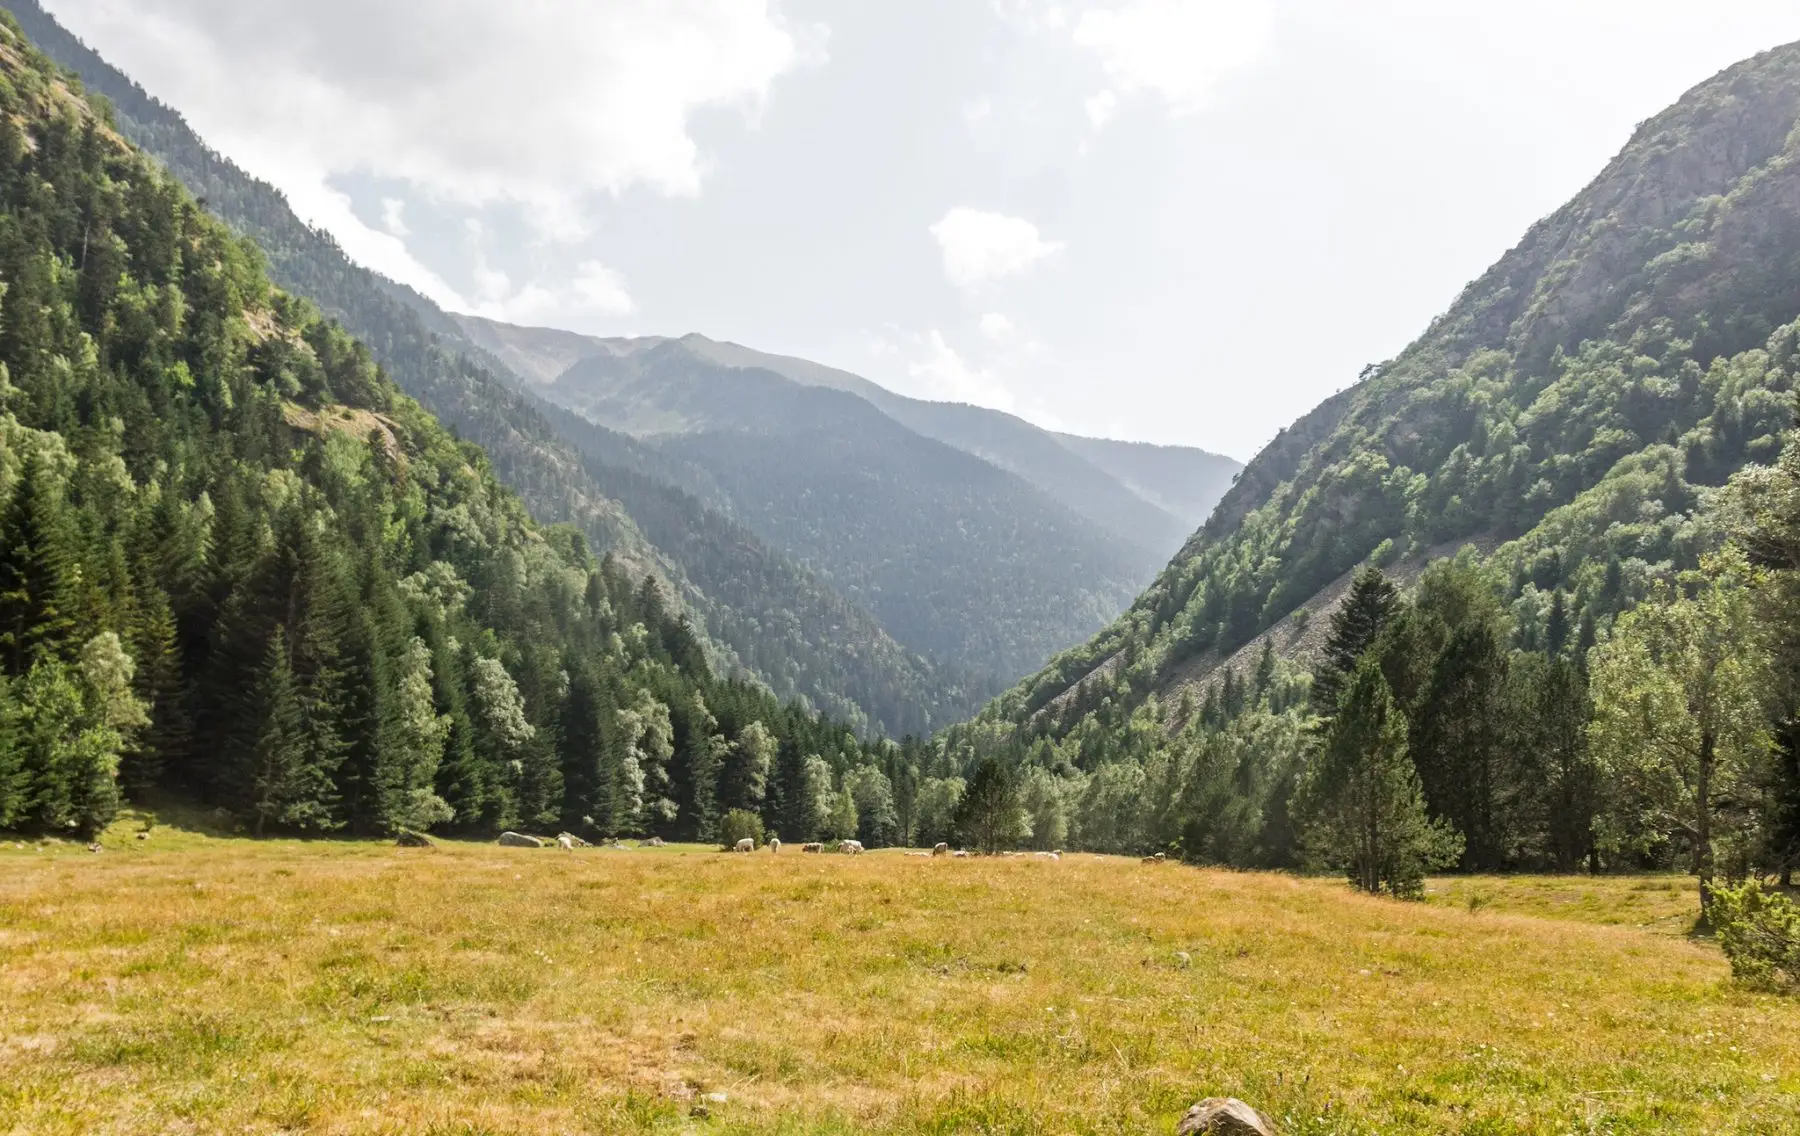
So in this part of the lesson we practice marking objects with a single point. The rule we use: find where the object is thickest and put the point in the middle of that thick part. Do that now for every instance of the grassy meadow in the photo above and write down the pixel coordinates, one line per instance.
(195, 984)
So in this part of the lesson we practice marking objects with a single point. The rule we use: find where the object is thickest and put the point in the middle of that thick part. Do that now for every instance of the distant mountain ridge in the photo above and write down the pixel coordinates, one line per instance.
(1147, 501)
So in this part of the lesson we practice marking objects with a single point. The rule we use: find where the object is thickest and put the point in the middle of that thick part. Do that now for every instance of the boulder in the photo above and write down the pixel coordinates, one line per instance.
(519, 840)
(413, 840)
(654, 842)
(1224, 1116)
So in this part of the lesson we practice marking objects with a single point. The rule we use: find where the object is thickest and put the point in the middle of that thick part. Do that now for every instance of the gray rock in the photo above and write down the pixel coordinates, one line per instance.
(1224, 1116)
(519, 840)
(413, 840)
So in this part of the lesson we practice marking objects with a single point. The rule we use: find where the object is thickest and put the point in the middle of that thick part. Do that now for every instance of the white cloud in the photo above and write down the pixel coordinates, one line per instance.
(1100, 109)
(538, 103)
(979, 247)
(602, 290)
(996, 327)
(393, 217)
(948, 377)
(1180, 49)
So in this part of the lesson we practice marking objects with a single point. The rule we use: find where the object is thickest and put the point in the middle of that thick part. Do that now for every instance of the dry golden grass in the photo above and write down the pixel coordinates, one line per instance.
(194, 985)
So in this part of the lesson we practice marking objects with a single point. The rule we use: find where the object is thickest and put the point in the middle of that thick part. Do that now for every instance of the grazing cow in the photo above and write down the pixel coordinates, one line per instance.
(746, 845)
(565, 842)
(774, 845)
(812, 846)
(850, 847)
(942, 849)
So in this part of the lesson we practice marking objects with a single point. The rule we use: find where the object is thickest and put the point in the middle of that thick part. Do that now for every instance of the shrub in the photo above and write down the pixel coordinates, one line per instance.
(737, 824)
(1760, 933)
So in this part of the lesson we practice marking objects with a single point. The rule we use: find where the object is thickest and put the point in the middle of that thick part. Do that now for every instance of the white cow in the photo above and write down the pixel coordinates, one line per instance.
(774, 845)
(850, 847)
(565, 842)
(746, 845)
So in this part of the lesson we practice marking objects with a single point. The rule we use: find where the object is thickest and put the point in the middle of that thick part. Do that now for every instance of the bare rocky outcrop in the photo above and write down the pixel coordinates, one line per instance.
(1224, 1116)
(413, 840)
(519, 840)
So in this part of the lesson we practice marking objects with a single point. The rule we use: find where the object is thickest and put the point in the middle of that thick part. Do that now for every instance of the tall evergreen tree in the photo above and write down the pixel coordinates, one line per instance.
(1361, 805)
(289, 785)
(35, 552)
(1355, 624)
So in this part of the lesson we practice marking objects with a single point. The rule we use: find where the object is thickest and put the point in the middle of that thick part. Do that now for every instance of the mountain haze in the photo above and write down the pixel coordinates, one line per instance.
(1148, 502)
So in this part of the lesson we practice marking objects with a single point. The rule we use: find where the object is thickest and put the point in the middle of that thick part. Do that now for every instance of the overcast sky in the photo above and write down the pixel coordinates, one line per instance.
(1168, 220)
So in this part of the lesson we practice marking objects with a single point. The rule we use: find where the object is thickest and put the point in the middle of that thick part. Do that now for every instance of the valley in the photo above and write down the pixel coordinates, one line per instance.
(381, 685)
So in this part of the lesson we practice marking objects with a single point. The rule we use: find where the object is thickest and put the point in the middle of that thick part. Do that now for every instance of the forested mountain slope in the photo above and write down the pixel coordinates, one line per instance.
(960, 560)
(780, 621)
(1148, 504)
(1569, 409)
(237, 562)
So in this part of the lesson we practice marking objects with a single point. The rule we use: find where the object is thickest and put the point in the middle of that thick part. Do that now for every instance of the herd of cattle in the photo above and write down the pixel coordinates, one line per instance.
(855, 848)
(570, 842)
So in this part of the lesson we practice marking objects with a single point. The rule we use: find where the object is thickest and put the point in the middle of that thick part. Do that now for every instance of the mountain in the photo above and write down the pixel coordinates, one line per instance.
(781, 623)
(238, 563)
(957, 558)
(1566, 416)
(1150, 497)
(953, 507)
(1183, 481)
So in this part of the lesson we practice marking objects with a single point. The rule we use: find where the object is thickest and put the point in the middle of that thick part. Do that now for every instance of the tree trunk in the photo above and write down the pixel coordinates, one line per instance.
(1703, 850)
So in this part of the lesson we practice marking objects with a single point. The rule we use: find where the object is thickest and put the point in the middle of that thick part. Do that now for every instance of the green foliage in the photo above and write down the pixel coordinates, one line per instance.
(1759, 930)
(740, 824)
(1680, 731)
(989, 816)
(1361, 804)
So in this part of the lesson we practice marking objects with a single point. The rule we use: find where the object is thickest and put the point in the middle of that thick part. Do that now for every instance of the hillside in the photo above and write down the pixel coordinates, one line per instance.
(958, 559)
(238, 564)
(781, 623)
(1150, 497)
(1569, 411)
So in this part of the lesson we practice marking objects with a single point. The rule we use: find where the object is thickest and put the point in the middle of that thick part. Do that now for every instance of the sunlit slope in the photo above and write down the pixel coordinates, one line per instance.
(1580, 395)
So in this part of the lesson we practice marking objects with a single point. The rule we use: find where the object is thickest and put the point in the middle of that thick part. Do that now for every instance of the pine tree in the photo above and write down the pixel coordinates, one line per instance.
(1361, 806)
(989, 816)
(289, 786)
(1265, 670)
(1372, 601)
(1458, 745)
(745, 779)
(1556, 630)
(34, 568)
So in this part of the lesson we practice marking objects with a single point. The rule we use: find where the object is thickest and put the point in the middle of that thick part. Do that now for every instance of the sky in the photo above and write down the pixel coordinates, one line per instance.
(1175, 221)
